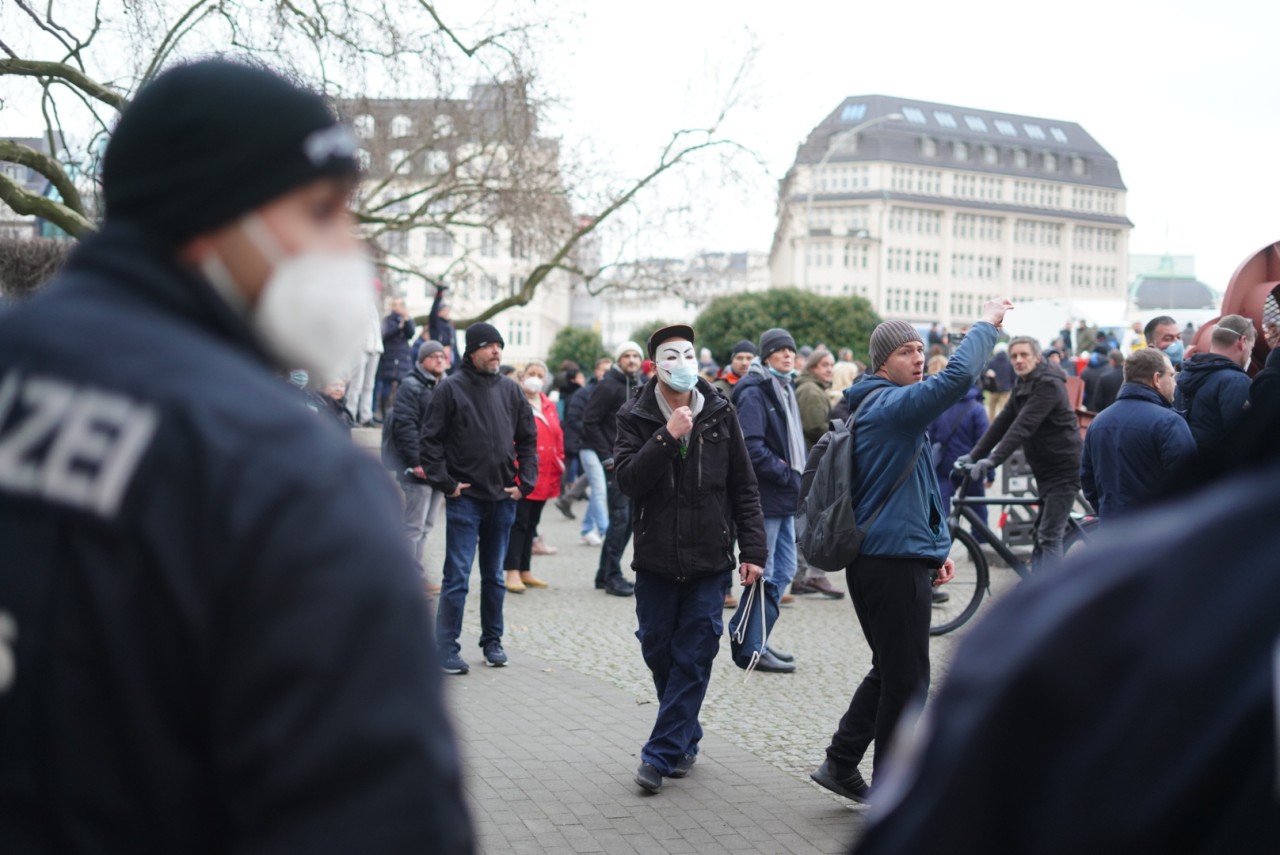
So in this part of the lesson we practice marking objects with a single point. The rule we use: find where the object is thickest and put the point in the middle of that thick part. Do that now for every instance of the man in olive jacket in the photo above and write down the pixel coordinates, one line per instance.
(1038, 418)
(681, 458)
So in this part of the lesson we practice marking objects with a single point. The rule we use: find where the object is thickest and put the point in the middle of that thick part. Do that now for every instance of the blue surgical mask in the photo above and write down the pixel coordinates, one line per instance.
(298, 378)
(682, 376)
(1175, 352)
(783, 375)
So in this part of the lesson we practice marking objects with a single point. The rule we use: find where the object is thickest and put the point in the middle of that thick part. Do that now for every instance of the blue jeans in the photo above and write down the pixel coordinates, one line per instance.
(597, 515)
(471, 524)
(679, 632)
(780, 566)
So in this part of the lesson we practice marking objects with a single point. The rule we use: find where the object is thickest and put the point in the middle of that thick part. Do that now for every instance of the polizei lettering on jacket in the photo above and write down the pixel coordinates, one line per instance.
(70, 445)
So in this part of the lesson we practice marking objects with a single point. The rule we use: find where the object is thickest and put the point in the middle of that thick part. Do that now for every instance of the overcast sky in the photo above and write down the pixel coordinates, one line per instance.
(1183, 94)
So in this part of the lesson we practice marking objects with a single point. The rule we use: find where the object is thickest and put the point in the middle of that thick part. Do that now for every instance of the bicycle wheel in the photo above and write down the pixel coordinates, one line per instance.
(966, 589)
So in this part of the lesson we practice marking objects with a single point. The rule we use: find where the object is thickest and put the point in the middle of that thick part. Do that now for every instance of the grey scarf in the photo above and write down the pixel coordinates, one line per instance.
(791, 410)
(695, 404)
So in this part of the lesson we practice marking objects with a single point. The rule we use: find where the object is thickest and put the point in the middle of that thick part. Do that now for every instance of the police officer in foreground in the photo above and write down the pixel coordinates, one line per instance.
(213, 636)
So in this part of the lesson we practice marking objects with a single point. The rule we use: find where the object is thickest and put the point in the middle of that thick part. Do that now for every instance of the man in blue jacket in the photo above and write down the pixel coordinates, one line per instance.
(1213, 387)
(904, 553)
(213, 636)
(771, 424)
(1136, 440)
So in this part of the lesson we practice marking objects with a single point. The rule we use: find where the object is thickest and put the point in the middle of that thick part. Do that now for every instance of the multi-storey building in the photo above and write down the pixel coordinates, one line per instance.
(463, 192)
(928, 210)
(21, 226)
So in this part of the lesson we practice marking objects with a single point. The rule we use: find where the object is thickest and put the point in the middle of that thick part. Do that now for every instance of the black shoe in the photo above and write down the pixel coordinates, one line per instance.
(494, 655)
(563, 505)
(619, 588)
(852, 787)
(940, 597)
(649, 778)
(773, 665)
(683, 765)
(600, 586)
(780, 655)
(803, 586)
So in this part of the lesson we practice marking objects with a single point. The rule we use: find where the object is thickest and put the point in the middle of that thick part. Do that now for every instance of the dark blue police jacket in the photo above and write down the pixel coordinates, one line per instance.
(214, 635)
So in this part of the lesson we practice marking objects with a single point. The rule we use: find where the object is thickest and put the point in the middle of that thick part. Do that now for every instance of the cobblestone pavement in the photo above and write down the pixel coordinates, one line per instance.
(775, 726)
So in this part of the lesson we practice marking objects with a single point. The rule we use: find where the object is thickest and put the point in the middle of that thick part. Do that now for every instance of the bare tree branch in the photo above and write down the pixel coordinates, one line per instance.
(73, 76)
(15, 152)
(25, 203)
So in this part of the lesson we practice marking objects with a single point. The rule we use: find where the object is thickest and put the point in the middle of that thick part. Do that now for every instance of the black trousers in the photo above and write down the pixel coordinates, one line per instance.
(523, 530)
(892, 598)
(619, 533)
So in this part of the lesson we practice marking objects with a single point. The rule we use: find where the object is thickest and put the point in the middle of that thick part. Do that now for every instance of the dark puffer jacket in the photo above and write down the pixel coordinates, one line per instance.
(402, 432)
(599, 419)
(686, 507)
(764, 425)
(1039, 418)
(1212, 394)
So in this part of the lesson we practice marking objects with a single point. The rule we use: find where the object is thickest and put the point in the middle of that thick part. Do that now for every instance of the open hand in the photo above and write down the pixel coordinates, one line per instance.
(993, 312)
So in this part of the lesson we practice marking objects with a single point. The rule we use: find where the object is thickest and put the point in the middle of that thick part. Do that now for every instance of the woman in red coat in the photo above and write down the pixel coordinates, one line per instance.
(550, 467)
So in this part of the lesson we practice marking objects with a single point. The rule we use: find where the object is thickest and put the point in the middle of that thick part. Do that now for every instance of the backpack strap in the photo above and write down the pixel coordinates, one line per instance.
(902, 478)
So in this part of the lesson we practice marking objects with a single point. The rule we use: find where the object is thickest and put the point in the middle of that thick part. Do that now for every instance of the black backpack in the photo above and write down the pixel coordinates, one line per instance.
(827, 532)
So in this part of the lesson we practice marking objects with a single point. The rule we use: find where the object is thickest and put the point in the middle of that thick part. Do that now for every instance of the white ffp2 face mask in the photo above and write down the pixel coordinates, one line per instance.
(313, 311)
(533, 385)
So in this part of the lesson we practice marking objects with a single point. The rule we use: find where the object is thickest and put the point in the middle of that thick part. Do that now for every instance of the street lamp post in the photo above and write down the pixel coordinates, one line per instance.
(833, 145)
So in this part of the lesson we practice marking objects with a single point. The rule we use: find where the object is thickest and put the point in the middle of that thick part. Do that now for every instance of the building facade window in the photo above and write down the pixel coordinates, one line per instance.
(439, 244)
(364, 126)
(401, 127)
(399, 162)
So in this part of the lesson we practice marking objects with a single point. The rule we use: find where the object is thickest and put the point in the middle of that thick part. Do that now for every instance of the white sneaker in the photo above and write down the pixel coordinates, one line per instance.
(591, 539)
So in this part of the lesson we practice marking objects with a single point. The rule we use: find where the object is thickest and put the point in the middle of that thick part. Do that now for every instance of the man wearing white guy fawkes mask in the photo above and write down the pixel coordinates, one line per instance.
(680, 456)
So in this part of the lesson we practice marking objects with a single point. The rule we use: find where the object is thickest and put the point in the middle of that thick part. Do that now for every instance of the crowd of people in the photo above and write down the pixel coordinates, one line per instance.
(212, 625)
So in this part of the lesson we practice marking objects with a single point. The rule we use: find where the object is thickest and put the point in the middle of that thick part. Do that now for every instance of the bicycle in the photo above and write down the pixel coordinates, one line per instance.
(972, 573)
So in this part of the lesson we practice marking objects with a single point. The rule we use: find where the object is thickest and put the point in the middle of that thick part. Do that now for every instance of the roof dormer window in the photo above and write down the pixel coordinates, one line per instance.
(913, 115)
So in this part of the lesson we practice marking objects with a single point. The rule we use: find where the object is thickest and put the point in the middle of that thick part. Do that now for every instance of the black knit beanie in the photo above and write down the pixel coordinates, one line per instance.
(478, 335)
(205, 143)
(743, 346)
(774, 340)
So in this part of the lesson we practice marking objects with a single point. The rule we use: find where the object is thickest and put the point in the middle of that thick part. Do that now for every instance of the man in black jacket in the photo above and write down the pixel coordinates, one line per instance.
(1109, 383)
(1038, 418)
(479, 430)
(681, 457)
(215, 635)
(599, 428)
(402, 439)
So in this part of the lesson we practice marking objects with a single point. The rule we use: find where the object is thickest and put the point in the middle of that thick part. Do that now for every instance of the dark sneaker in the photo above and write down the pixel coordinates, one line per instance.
(649, 778)
(494, 655)
(452, 663)
(851, 787)
(683, 765)
(940, 597)
(619, 588)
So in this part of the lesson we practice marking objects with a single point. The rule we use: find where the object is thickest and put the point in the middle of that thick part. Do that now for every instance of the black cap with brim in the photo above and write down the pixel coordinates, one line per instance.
(683, 331)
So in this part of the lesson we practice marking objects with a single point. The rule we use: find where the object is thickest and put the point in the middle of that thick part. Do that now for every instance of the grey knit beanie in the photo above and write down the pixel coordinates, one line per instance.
(888, 337)
(773, 340)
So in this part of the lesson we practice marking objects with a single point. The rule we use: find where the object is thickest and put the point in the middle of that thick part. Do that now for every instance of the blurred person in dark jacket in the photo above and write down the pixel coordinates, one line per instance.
(402, 444)
(397, 356)
(1131, 447)
(1213, 388)
(217, 636)
(1109, 383)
